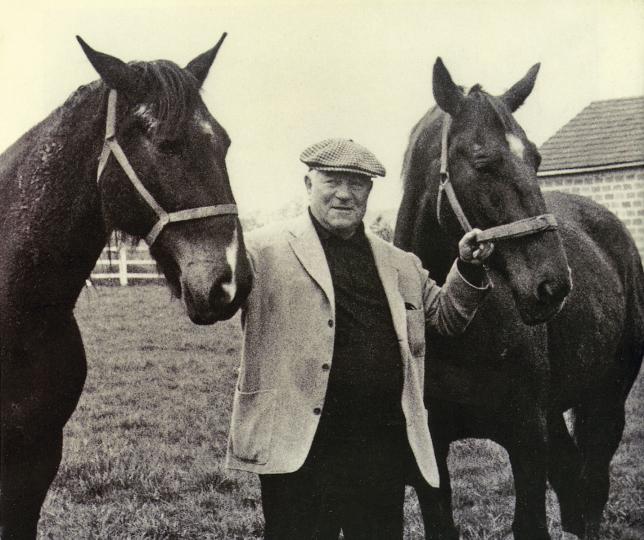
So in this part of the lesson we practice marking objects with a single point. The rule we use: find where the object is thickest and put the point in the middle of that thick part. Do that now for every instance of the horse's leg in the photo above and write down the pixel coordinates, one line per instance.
(42, 378)
(564, 470)
(28, 469)
(598, 430)
(436, 503)
(527, 449)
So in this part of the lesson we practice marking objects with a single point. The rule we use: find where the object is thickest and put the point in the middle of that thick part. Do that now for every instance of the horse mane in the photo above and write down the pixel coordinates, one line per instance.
(168, 89)
(417, 155)
(502, 112)
(172, 91)
(423, 147)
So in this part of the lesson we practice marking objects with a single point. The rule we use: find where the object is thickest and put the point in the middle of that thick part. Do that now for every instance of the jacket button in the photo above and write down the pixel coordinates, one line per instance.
(330, 323)
(317, 410)
(325, 367)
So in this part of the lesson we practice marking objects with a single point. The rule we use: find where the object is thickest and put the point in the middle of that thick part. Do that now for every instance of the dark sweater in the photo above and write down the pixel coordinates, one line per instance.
(365, 379)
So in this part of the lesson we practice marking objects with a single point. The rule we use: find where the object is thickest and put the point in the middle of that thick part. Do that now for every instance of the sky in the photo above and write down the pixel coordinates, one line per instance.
(292, 73)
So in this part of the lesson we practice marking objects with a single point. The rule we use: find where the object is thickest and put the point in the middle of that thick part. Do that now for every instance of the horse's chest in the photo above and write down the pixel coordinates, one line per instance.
(494, 359)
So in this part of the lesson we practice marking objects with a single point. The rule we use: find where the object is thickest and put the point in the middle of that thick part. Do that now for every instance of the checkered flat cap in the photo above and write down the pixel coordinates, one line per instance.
(342, 155)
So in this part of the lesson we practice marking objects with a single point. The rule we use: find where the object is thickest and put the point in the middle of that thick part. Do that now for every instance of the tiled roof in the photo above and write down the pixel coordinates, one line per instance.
(604, 133)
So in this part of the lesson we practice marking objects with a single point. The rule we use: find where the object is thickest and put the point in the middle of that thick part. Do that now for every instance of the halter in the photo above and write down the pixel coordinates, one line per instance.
(516, 229)
(111, 146)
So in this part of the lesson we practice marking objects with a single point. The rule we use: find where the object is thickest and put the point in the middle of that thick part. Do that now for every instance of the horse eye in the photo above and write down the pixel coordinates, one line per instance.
(172, 147)
(486, 162)
(140, 127)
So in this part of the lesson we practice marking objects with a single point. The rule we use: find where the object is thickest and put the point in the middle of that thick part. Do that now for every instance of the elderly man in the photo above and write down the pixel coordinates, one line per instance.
(329, 407)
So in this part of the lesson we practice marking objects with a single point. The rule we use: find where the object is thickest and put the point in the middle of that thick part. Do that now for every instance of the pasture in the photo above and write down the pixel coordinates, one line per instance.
(143, 454)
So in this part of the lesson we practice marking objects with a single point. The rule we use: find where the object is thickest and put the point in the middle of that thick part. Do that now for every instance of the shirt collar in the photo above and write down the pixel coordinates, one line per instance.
(325, 234)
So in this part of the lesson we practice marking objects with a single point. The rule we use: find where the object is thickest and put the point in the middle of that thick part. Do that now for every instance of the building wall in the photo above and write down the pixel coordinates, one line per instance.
(621, 191)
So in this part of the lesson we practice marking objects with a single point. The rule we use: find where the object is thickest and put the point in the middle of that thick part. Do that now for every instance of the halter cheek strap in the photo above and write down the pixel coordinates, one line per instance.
(516, 229)
(111, 146)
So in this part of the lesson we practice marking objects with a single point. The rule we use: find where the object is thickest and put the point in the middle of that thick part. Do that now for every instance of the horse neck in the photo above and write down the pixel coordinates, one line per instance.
(436, 248)
(57, 232)
(417, 228)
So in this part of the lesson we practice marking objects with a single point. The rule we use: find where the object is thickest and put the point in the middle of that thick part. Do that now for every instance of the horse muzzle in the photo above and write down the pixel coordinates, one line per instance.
(209, 297)
(545, 301)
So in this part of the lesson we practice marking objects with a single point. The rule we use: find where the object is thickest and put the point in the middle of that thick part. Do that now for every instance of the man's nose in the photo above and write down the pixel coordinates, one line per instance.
(343, 192)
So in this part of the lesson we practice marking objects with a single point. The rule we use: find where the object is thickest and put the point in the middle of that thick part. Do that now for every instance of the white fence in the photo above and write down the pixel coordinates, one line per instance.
(125, 263)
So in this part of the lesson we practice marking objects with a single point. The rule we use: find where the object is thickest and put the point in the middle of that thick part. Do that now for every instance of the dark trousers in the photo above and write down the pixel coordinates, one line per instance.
(355, 484)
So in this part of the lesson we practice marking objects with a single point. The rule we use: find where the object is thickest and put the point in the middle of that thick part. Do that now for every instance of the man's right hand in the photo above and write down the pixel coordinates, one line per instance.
(472, 252)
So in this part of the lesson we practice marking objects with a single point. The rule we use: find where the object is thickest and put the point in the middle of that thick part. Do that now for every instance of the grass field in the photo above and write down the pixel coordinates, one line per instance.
(143, 454)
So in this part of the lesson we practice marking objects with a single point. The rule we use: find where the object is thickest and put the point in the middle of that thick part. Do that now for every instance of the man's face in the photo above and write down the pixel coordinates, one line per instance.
(338, 199)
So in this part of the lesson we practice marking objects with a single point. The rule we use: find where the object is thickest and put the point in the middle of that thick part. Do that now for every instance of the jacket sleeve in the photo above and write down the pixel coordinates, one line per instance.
(251, 257)
(450, 308)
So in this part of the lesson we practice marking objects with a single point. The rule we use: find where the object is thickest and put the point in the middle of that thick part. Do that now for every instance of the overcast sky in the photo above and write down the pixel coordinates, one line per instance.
(292, 73)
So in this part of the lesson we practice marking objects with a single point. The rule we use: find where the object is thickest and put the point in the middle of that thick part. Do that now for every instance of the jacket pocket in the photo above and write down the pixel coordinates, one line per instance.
(252, 425)
(416, 331)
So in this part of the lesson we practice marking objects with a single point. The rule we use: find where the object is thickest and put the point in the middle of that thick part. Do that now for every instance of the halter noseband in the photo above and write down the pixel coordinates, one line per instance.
(516, 229)
(111, 146)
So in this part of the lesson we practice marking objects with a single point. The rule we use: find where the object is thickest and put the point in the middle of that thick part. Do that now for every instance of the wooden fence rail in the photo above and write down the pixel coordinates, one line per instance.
(124, 263)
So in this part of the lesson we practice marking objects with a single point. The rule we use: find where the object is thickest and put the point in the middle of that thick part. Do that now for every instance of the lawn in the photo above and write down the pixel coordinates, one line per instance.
(143, 455)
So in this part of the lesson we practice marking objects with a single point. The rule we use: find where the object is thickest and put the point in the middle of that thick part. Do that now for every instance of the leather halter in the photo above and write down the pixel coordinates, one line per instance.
(111, 146)
(516, 229)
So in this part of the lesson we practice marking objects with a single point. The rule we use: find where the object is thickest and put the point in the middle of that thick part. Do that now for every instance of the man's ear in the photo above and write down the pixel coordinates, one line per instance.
(307, 183)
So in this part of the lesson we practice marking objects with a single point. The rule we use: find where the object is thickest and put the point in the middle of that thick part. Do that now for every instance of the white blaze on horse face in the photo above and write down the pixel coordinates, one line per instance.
(232, 250)
(204, 124)
(144, 113)
(569, 419)
(515, 144)
(206, 127)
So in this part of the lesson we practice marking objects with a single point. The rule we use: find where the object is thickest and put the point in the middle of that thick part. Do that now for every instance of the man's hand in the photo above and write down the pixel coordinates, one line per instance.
(470, 251)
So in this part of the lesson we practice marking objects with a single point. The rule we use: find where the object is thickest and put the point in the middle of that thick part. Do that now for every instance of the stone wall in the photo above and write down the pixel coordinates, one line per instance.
(620, 190)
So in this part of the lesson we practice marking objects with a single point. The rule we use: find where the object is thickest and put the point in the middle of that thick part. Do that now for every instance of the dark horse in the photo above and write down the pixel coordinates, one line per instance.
(536, 348)
(172, 188)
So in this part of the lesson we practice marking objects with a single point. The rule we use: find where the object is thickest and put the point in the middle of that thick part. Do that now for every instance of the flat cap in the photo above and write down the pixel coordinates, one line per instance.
(342, 155)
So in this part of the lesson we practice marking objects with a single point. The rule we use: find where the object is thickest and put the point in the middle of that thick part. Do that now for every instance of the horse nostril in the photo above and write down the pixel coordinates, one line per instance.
(219, 293)
(552, 291)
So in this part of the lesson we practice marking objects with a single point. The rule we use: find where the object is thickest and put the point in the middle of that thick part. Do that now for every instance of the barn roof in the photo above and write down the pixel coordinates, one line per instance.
(604, 133)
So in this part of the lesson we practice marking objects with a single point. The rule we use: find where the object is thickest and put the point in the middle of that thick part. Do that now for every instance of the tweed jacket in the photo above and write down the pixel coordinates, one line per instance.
(289, 324)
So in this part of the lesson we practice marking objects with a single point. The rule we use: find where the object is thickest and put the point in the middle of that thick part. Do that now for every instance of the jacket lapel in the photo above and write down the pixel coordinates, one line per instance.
(388, 273)
(308, 249)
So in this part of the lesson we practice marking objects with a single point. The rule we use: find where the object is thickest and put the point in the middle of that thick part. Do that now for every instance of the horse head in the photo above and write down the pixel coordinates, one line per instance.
(493, 171)
(162, 176)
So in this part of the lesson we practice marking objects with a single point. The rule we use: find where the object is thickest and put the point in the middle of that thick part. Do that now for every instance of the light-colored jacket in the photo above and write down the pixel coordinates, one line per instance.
(289, 325)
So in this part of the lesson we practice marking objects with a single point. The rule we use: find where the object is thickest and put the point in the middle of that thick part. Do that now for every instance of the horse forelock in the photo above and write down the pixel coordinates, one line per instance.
(171, 95)
(500, 111)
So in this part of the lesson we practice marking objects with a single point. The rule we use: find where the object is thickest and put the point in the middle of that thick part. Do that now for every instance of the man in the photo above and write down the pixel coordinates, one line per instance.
(329, 406)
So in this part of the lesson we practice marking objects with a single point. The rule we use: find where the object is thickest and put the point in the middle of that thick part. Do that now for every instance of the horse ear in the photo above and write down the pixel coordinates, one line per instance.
(448, 96)
(116, 73)
(200, 66)
(516, 95)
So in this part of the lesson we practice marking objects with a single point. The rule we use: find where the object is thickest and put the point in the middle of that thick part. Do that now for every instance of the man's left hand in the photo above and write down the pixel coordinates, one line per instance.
(473, 252)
